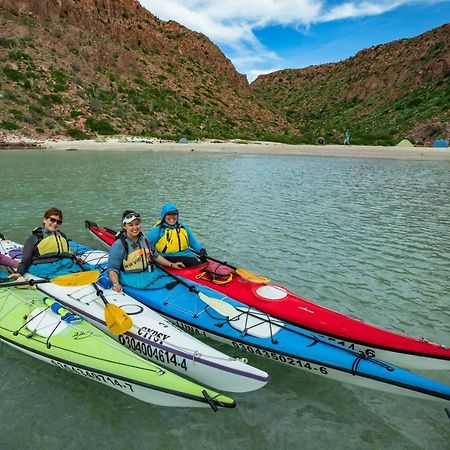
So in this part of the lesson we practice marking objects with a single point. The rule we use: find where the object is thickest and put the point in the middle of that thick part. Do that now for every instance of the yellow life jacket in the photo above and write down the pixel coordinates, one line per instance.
(54, 245)
(138, 260)
(173, 240)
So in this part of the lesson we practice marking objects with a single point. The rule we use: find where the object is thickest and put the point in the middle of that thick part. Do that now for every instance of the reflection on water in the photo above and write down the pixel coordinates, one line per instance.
(370, 238)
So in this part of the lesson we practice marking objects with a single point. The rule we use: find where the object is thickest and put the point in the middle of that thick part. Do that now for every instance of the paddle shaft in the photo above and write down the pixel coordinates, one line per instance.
(98, 291)
(23, 283)
(180, 280)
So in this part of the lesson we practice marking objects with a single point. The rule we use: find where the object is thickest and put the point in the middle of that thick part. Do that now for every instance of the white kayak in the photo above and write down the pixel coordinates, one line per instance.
(152, 336)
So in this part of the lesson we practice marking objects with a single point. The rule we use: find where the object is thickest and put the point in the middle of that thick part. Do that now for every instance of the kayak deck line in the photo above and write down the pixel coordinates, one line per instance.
(181, 304)
(75, 327)
(303, 349)
(353, 371)
(394, 347)
(173, 348)
(195, 356)
(32, 325)
(155, 338)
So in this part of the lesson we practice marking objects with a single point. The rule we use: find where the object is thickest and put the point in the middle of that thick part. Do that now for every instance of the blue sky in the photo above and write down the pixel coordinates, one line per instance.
(261, 36)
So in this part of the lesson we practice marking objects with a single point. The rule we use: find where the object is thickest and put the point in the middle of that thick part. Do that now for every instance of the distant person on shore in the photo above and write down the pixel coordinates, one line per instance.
(46, 252)
(346, 137)
(174, 240)
(132, 258)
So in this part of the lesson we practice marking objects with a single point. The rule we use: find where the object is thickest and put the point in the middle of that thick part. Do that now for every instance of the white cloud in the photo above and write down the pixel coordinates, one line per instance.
(231, 23)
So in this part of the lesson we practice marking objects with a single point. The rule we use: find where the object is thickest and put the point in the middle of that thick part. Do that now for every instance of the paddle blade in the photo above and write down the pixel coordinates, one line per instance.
(244, 273)
(220, 306)
(117, 320)
(77, 278)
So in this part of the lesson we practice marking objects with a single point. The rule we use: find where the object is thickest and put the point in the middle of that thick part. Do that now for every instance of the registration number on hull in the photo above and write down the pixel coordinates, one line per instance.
(288, 360)
(160, 355)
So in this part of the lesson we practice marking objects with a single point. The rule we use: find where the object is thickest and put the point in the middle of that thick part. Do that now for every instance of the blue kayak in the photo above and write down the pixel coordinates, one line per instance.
(203, 311)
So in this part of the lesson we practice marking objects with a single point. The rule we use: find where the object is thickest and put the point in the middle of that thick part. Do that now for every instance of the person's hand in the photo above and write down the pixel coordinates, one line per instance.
(14, 276)
(203, 255)
(117, 287)
(177, 265)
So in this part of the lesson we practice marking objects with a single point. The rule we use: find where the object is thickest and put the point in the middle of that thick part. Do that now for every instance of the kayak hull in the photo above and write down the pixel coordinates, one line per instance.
(205, 312)
(153, 337)
(29, 325)
(395, 348)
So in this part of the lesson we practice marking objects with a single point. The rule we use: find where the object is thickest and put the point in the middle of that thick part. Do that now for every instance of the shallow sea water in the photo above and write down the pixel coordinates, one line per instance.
(370, 238)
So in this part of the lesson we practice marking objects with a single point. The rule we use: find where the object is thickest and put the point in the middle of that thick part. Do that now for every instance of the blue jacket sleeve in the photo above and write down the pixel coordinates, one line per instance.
(193, 243)
(116, 255)
(153, 236)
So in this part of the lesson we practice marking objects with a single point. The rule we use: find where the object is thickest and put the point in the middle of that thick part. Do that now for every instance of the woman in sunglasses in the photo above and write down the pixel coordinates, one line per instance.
(46, 252)
(131, 258)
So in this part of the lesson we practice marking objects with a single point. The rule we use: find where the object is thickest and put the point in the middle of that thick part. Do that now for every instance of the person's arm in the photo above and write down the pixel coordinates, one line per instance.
(8, 262)
(165, 263)
(27, 257)
(116, 255)
(193, 243)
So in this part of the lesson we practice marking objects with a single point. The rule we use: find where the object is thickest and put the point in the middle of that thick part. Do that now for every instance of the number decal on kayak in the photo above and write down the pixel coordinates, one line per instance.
(154, 353)
(281, 358)
(94, 375)
(370, 352)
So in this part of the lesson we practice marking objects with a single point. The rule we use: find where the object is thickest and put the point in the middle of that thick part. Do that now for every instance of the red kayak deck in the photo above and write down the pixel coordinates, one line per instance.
(280, 302)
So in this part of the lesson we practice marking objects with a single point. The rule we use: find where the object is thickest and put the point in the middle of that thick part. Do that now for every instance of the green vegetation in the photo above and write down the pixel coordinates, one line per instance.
(375, 117)
(59, 79)
(77, 134)
(100, 126)
(7, 125)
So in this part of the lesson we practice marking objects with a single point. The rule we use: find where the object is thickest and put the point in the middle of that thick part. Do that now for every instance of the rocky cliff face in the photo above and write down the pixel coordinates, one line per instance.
(128, 22)
(96, 66)
(85, 67)
(384, 93)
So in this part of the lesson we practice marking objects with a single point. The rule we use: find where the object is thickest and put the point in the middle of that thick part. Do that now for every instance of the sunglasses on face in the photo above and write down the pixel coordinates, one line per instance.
(53, 220)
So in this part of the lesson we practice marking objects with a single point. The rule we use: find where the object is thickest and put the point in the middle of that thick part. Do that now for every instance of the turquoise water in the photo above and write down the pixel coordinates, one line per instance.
(370, 238)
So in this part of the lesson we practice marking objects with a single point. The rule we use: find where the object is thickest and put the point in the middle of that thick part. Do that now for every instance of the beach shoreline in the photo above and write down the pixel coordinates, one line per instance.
(237, 147)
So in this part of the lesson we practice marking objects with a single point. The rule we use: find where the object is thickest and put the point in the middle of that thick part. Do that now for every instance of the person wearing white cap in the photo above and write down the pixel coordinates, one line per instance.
(132, 258)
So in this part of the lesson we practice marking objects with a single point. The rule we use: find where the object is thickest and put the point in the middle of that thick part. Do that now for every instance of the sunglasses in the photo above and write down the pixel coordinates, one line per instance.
(53, 220)
(130, 217)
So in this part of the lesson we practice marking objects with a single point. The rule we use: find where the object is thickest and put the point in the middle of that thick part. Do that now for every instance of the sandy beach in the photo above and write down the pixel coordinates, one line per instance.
(255, 148)
(238, 147)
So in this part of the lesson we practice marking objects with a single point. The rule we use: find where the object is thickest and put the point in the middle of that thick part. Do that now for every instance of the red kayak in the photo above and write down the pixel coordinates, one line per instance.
(257, 292)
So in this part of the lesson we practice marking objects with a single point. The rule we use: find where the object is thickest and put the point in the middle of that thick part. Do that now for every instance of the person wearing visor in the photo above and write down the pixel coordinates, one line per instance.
(132, 258)
(46, 252)
(174, 240)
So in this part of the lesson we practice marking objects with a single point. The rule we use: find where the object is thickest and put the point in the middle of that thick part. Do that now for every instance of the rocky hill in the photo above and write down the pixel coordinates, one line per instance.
(71, 68)
(383, 94)
(81, 68)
